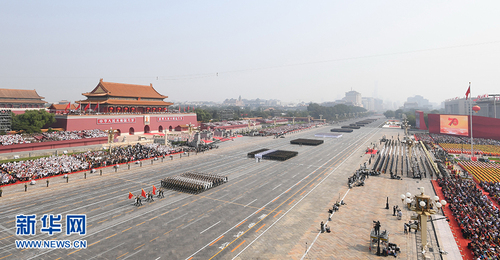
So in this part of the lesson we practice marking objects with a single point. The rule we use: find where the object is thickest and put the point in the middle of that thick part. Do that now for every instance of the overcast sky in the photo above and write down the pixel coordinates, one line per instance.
(287, 50)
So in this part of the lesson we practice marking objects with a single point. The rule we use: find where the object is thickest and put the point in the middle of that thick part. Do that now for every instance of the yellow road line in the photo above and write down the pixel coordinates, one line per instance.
(277, 214)
(122, 255)
(6, 237)
(8, 256)
(95, 243)
(138, 246)
(74, 251)
(241, 223)
(180, 226)
(259, 228)
(291, 202)
(140, 223)
(111, 236)
(101, 221)
(153, 239)
(238, 246)
(153, 218)
(116, 216)
(216, 240)
(167, 232)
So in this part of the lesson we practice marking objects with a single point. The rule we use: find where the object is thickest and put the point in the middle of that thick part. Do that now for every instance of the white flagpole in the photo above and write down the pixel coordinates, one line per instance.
(471, 138)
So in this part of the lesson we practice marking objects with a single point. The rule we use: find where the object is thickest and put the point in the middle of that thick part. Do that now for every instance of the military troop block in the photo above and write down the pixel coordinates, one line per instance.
(193, 182)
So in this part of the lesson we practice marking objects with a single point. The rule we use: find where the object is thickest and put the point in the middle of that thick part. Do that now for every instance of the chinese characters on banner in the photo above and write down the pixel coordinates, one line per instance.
(115, 120)
(169, 118)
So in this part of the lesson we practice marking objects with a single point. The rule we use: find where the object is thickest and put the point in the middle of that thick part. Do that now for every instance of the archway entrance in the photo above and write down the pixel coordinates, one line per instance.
(160, 129)
(118, 133)
(146, 129)
(131, 131)
(170, 128)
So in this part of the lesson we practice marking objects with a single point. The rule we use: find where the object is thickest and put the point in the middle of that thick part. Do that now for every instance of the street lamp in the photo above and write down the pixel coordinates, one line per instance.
(424, 206)
(494, 103)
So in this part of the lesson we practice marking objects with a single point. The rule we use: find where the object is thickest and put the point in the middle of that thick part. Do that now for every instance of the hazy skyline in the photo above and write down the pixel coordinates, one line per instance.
(288, 50)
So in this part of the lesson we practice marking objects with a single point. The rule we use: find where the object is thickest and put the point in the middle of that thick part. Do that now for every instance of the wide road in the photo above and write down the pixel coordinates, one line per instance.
(217, 224)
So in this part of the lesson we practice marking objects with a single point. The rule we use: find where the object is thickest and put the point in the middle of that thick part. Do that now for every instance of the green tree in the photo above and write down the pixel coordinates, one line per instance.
(32, 121)
(202, 115)
(389, 114)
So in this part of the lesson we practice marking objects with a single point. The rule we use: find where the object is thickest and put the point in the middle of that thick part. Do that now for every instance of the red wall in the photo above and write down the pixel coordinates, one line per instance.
(52, 145)
(88, 122)
(482, 127)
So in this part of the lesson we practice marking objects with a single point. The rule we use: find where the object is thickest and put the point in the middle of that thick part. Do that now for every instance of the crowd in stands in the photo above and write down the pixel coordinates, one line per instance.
(439, 138)
(55, 165)
(52, 136)
(477, 216)
(493, 188)
(450, 139)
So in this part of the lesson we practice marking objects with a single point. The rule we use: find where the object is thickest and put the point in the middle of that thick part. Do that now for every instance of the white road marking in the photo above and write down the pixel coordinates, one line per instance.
(250, 202)
(209, 227)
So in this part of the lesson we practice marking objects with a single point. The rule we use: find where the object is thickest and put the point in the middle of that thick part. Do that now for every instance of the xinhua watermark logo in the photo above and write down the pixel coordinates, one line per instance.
(50, 225)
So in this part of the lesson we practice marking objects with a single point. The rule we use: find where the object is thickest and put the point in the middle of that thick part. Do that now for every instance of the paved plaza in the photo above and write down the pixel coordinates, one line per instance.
(267, 210)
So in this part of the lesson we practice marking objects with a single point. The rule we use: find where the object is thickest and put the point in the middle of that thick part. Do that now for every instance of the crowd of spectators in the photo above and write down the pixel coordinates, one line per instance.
(50, 136)
(493, 188)
(439, 138)
(55, 165)
(478, 218)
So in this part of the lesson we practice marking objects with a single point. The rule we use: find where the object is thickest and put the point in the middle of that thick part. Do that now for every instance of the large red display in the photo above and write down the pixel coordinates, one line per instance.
(454, 125)
(482, 127)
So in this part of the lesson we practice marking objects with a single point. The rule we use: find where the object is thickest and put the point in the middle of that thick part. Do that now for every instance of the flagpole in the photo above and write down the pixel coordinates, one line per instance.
(471, 138)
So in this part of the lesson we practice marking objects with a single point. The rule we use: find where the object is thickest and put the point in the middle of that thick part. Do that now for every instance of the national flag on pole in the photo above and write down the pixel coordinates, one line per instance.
(86, 107)
(97, 107)
(184, 109)
(78, 107)
(188, 108)
(130, 195)
(143, 193)
(179, 109)
(467, 93)
(67, 107)
(154, 190)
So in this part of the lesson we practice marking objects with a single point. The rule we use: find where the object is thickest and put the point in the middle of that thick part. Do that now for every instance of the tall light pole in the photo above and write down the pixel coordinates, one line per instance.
(494, 103)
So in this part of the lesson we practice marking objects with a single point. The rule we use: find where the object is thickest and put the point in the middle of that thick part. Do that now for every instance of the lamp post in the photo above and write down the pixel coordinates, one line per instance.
(494, 102)
(424, 206)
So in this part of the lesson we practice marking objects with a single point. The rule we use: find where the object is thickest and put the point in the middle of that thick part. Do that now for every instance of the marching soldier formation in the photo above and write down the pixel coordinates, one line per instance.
(138, 201)
(193, 182)
(160, 193)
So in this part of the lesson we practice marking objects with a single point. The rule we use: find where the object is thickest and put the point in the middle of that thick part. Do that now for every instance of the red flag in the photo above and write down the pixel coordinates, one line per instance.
(179, 108)
(467, 93)
(67, 107)
(184, 109)
(86, 107)
(154, 190)
(78, 107)
(97, 107)
(188, 108)
(143, 193)
(130, 195)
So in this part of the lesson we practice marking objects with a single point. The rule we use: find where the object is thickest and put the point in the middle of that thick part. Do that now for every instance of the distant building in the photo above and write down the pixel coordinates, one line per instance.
(61, 108)
(417, 102)
(19, 100)
(226, 114)
(456, 106)
(353, 98)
